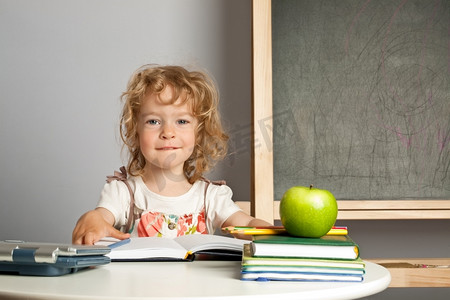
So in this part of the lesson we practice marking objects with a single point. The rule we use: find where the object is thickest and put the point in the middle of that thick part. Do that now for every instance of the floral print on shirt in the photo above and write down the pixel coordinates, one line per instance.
(168, 225)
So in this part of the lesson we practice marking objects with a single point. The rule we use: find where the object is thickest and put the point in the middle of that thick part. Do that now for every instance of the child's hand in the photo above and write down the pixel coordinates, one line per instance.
(240, 218)
(94, 225)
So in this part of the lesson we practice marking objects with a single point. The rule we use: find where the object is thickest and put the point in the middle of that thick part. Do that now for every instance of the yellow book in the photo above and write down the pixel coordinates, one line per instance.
(269, 230)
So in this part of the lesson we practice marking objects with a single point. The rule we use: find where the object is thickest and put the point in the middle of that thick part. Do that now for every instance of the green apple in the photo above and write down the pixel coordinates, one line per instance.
(308, 211)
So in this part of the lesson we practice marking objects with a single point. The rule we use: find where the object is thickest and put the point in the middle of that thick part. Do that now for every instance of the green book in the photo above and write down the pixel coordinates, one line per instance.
(248, 261)
(326, 247)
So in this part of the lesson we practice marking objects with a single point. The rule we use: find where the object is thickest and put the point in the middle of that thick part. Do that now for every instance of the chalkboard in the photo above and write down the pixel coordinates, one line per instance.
(361, 97)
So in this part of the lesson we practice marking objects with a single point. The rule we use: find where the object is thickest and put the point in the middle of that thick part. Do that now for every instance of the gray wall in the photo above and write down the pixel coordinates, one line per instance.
(64, 65)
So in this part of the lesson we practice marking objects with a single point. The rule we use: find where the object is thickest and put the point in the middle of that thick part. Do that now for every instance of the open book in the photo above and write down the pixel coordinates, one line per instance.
(184, 247)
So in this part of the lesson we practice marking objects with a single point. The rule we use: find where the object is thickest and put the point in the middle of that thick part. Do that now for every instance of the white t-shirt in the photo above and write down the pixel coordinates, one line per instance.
(218, 203)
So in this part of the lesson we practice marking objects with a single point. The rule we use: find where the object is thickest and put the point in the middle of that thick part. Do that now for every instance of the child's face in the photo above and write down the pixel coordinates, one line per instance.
(166, 132)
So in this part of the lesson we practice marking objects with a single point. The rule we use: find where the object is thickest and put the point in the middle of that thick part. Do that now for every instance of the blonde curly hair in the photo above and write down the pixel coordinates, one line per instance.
(196, 88)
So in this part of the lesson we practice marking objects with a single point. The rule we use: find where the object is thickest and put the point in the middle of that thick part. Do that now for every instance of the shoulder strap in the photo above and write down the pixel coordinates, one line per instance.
(208, 182)
(122, 176)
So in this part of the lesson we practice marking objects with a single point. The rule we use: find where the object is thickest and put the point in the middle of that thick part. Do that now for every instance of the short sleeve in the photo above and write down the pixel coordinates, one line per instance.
(219, 205)
(115, 197)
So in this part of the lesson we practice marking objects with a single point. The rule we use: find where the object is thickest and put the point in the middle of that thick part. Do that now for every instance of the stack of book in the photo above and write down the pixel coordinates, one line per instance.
(285, 257)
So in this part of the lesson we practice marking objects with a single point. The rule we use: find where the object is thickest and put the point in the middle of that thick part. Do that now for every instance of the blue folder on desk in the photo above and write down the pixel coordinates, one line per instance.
(49, 259)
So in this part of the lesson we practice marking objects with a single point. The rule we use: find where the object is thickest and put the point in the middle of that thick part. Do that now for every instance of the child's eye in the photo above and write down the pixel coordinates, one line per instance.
(182, 122)
(153, 122)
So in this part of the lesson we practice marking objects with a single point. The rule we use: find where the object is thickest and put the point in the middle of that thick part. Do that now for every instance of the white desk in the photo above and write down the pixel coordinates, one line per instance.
(175, 280)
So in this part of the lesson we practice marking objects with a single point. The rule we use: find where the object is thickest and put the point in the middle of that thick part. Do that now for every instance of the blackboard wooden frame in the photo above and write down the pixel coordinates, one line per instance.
(264, 206)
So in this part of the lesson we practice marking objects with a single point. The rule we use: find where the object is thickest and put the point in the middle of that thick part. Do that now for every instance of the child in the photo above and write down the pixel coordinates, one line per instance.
(171, 127)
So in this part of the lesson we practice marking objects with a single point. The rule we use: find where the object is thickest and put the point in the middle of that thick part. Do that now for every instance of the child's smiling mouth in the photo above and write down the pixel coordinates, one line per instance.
(167, 148)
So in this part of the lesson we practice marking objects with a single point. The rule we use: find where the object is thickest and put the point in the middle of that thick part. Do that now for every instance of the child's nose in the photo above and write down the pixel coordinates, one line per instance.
(167, 132)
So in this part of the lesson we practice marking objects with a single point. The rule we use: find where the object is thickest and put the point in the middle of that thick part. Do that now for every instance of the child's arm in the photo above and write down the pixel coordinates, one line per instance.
(240, 218)
(94, 225)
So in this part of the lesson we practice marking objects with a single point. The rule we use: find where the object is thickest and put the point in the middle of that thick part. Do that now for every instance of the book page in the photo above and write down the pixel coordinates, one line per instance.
(149, 247)
(201, 242)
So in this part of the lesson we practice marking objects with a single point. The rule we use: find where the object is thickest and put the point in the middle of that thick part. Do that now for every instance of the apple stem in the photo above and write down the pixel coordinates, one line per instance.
(310, 186)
